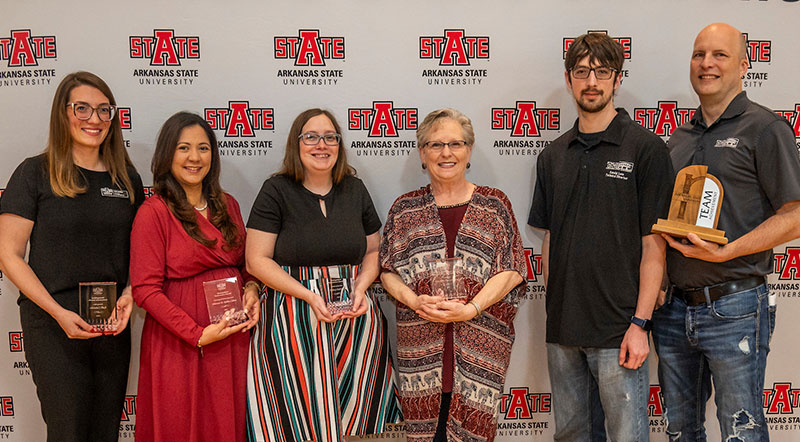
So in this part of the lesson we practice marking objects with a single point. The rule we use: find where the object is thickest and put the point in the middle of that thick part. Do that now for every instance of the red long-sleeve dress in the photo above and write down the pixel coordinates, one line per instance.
(181, 394)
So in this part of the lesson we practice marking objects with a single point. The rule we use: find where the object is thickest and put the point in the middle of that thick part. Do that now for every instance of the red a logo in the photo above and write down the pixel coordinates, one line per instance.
(382, 119)
(23, 49)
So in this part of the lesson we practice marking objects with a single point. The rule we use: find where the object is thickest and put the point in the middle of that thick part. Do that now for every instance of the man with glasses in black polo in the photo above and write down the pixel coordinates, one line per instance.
(599, 189)
(718, 321)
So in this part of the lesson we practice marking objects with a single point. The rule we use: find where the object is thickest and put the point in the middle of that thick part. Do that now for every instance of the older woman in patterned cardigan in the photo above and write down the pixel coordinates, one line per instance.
(453, 356)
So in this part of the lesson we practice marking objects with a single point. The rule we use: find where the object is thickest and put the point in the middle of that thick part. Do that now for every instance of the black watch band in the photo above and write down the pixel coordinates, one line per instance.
(645, 324)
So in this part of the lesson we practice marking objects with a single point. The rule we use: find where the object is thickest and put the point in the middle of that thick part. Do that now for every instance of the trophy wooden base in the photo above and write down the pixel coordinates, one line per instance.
(682, 230)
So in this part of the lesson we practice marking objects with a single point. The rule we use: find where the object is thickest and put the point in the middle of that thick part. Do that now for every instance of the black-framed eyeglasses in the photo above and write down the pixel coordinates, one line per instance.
(83, 112)
(600, 72)
(312, 139)
(453, 145)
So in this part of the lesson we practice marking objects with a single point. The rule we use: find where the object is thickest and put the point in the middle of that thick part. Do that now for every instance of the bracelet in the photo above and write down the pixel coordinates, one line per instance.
(477, 307)
(251, 282)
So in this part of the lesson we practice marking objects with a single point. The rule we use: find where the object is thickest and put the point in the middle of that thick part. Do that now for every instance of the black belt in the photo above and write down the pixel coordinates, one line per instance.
(696, 296)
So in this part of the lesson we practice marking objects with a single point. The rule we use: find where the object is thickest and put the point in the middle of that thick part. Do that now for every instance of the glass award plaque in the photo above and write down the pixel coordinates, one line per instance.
(224, 301)
(339, 297)
(447, 279)
(98, 306)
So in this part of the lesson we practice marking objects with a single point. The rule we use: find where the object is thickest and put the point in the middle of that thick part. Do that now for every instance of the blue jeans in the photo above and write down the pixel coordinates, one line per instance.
(577, 373)
(726, 341)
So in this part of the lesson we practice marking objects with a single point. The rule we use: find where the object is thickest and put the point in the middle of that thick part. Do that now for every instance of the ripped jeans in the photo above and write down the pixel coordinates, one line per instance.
(725, 340)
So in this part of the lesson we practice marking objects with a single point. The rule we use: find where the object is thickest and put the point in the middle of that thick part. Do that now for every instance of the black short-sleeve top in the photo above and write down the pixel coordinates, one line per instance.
(80, 239)
(306, 237)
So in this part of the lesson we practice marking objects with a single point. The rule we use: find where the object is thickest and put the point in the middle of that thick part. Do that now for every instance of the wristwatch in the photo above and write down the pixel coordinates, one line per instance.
(645, 324)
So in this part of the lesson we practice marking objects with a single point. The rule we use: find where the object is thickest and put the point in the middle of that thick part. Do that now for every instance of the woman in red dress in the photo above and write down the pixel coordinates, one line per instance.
(192, 384)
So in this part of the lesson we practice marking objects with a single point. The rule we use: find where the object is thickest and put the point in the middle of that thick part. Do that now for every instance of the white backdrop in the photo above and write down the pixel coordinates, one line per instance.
(251, 67)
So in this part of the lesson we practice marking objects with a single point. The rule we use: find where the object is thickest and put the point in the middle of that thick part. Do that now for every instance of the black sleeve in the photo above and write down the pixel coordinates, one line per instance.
(777, 164)
(655, 180)
(266, 214)
(21, 194)
(369, 216)
(539, 215)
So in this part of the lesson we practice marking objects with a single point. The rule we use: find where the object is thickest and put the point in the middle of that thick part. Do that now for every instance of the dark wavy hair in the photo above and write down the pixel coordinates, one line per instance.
(600, 48)
(170, 190)
(293, 167)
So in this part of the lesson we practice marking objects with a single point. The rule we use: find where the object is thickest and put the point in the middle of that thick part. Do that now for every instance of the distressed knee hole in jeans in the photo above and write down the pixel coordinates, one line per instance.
(744, 345)
(742, 421)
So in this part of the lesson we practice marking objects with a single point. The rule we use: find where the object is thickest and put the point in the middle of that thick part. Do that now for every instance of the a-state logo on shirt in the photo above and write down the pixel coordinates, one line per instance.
(165, 53)
(792, 117)
(6, 406)
(15, 344)
(620, 170)
(240, 120)
(383, 120)
(309, 48)
(663, 119)
(625, 42)
(524, 120)
(22, 51)
(454, 50)
(164, 48)
(731, 142)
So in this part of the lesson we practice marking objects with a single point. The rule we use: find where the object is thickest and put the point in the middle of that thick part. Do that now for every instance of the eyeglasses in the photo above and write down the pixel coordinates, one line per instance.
(601, 72)
(453, 145)
(312, 139)
(83, 112)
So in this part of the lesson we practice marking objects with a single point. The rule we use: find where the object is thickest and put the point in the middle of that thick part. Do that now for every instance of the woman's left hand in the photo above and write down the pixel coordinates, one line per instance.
(447, 311)
(360, 305)
(124, 309)
(251, 306)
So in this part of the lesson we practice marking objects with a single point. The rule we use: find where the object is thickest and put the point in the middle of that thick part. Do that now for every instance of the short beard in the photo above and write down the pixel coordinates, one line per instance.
(594, 107)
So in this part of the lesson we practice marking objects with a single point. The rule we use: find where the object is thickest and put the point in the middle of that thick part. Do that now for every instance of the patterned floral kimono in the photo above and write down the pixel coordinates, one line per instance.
(489, 243)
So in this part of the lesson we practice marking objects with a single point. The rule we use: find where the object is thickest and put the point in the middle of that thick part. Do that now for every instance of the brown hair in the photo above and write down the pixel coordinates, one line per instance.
(600, 48)
(293, 167)
(65, 180)
(431, 119)
(170, 190)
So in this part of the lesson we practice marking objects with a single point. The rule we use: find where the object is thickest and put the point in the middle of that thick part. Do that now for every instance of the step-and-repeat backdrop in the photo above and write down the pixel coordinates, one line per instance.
(250, 67)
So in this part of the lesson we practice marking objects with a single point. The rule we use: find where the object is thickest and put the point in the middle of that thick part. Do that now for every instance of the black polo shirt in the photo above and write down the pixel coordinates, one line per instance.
(752, 152)
(598, 202)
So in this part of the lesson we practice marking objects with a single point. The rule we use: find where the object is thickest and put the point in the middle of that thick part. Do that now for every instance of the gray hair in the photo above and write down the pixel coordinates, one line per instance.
(431, 119)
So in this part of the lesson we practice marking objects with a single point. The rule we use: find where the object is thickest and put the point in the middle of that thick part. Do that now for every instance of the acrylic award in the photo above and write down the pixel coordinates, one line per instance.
(98, 306)
(339, 288)
(447, 279)
(695, 206)
(224, 301)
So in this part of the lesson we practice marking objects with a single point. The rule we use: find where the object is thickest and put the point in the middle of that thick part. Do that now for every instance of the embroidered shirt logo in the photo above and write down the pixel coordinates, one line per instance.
(619, 169)
(728, 142)
(113, 193)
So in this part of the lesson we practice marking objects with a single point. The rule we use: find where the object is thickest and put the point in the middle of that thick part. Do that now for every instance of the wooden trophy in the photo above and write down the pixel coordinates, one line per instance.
(696, 202)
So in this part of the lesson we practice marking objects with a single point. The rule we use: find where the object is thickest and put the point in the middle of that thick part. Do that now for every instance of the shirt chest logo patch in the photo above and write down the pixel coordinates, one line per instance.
(728, 142)
(113, 193)
(620, 170)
